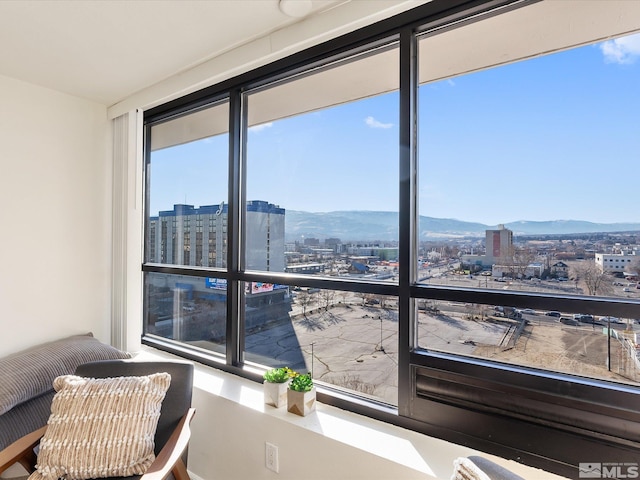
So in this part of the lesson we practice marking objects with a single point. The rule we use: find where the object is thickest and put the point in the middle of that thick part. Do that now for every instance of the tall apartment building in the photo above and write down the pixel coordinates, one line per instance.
(499, 243)
(498, 248)
(188, 235)
(265, 237)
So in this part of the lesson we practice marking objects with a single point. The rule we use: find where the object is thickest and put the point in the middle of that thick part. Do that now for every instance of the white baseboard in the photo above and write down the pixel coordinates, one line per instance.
(193, 476)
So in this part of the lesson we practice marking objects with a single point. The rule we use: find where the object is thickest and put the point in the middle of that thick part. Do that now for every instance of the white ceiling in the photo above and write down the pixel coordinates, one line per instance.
(106, 50)
(111, 50)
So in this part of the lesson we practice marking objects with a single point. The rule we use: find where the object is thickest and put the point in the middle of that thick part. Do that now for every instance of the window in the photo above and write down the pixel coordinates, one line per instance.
(307, 156)
(187, 162)
(413, 216)
(499, 226)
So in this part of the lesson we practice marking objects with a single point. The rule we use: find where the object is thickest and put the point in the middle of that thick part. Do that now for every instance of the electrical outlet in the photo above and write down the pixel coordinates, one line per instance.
(271, 457)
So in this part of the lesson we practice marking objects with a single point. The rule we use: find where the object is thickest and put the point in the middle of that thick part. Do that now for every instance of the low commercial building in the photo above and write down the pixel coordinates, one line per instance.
(615, 262)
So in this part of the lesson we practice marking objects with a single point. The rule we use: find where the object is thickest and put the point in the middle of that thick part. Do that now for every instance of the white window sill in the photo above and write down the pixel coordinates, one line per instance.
(411, 452)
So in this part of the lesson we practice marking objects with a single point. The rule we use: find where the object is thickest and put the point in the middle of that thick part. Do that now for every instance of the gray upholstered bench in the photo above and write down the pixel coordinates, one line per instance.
(26, 379)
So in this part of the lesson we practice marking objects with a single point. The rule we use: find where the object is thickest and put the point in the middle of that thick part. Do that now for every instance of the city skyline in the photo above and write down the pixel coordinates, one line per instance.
(571, 155)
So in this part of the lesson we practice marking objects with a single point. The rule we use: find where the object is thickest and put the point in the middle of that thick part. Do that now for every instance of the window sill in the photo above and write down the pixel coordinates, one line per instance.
(404, 453)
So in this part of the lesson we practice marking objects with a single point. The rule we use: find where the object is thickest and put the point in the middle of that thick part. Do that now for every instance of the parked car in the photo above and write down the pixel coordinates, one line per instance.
(528, 311)
(568, 321)
(581, 317)
(553, 313)
(611, 319)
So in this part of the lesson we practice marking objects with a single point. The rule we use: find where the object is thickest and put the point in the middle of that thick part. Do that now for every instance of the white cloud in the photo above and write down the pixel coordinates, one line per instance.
(373, 123)
(622, 50)
(262, 126)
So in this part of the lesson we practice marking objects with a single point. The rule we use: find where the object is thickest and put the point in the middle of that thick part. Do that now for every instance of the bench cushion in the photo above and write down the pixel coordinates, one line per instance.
(24, 418)
(30, 373)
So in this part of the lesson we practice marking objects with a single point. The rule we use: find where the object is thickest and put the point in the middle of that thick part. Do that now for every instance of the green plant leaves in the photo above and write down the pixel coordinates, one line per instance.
(278, 375)
(301, 383)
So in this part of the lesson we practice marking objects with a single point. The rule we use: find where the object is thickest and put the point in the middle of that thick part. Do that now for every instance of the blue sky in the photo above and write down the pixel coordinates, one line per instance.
(557, 137)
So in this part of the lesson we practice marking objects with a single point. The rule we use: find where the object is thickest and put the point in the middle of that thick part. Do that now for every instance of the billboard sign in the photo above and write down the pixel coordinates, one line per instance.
(216, 283)
(261, 287)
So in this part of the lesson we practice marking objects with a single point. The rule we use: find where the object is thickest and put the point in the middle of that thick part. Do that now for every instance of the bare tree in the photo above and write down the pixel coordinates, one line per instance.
(370, 299)
(506, 261)
(450, 251)
(383, 300)
(326, 297)
(331, 264)
(431, 307)
(517, 259)
(343, 296)
(522, 258)
(304, 299)
(363, 296)
(595, 281)
(473, 311)
(484, 311)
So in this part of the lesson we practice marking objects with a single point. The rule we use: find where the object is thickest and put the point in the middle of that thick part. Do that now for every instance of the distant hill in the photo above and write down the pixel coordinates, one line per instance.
(369, 225)
(568, 226)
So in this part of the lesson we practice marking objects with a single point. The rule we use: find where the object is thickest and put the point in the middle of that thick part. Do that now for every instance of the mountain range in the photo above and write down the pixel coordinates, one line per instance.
(371, 225)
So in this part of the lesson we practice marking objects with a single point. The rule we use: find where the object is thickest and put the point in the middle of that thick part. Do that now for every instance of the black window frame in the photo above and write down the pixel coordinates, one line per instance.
(453, 397)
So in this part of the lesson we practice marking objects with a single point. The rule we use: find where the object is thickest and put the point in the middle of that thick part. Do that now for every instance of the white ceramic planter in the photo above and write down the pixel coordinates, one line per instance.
(301, 403)
(275, 394)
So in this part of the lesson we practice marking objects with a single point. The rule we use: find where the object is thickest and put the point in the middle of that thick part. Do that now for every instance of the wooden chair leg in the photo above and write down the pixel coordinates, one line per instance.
(28, 461)
(180, 471)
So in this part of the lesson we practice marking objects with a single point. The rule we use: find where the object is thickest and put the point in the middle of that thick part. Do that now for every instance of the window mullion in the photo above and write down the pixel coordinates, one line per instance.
(407, 210)
(235, 300)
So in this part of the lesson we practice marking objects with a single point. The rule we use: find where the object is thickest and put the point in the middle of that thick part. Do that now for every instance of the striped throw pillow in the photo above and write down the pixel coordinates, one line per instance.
(101, 427)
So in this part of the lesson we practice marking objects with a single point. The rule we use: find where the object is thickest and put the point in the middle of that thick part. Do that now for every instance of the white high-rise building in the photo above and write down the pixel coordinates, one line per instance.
(188, 235)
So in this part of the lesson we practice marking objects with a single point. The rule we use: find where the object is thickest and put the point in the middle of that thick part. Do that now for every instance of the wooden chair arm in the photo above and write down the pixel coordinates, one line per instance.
(168, 460)
(21, 451)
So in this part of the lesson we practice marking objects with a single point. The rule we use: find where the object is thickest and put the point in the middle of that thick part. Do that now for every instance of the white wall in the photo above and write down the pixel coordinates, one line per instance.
(55, 216)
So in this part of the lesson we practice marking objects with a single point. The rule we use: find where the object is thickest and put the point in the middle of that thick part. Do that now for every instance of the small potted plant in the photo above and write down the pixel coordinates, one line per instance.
(275, 385)
(301, 396)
